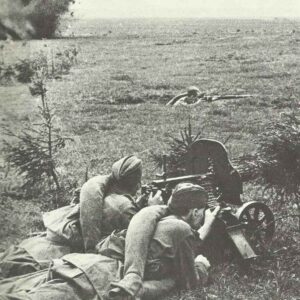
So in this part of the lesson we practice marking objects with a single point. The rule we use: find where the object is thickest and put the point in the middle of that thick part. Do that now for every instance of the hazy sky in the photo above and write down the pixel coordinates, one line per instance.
(187, 8)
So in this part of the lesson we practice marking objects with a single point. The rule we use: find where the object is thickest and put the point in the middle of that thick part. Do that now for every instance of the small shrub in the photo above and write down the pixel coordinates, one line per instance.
(63, 62)
(34, 152)
(279, 157)
(53, 68)
(7, 74)
(178, 147)
(24, 71)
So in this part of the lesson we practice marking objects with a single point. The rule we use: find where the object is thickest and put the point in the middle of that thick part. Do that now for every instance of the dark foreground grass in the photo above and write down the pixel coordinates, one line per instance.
(112, 104)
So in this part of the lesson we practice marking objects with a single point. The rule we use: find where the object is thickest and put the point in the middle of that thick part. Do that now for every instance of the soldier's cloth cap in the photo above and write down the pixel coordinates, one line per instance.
(187, 196)
(126, 166)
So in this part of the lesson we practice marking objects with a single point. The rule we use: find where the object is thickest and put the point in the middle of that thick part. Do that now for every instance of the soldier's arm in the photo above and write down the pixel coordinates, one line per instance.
(138, 237)
(91, 211)
(175, 99)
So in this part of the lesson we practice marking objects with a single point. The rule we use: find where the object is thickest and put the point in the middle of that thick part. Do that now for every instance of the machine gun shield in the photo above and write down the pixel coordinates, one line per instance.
(210, 156)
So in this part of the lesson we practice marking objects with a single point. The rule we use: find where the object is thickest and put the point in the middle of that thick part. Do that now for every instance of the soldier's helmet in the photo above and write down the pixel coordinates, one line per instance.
(193, 91)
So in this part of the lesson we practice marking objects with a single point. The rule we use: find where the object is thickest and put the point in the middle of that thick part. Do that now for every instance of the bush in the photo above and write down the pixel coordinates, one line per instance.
(32, 158)
(34, 153)
(24, 70)
(7, 74)
(54, 67)
(275, 166)
(178, 147)
(279, 157)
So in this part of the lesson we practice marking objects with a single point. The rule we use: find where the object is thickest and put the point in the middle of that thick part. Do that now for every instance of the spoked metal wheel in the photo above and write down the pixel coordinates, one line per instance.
(259, 224)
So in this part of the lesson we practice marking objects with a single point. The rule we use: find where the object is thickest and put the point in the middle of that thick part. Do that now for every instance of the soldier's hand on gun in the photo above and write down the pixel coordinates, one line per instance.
(142, 200)
(155, 199)
(150, 199)
(209, 219)
(210, 216)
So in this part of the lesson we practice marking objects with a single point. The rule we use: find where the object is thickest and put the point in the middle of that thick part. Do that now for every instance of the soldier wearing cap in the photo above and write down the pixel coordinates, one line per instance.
(106, 204)
(179, 234)
(165, 259)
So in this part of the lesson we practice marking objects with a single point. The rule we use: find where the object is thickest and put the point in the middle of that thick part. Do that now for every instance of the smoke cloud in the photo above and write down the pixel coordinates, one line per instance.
(23, 19)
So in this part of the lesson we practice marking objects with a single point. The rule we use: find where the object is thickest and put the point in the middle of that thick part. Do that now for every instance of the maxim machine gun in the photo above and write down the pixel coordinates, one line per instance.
(246, 229)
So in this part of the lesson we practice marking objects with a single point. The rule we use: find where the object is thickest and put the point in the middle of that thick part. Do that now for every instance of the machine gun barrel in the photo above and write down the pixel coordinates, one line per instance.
(166, 185)
(176, 180)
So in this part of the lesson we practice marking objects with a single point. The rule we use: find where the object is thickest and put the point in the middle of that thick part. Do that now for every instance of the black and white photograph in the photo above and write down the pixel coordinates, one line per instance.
(149, 149)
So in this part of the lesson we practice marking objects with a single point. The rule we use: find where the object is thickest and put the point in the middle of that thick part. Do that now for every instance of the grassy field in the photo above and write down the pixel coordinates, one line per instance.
(147, 62)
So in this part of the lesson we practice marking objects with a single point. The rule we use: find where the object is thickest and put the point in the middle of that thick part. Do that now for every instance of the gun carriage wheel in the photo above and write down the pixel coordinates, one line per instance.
(259, 224)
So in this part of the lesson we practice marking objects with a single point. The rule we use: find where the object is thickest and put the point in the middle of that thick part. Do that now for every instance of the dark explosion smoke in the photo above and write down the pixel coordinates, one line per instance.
(23, 19)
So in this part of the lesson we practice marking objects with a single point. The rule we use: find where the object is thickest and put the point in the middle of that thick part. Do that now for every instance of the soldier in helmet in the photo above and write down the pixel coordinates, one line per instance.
(192, 96)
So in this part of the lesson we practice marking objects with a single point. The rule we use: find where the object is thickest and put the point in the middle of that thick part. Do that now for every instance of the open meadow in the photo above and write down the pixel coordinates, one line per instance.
(112, 103)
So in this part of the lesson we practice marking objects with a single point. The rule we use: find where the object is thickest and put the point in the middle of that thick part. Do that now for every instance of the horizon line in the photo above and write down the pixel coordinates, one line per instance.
(161, 17)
